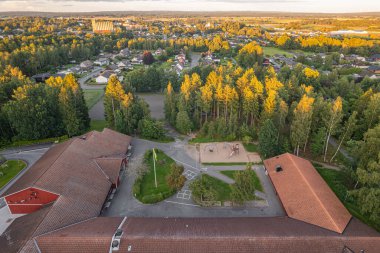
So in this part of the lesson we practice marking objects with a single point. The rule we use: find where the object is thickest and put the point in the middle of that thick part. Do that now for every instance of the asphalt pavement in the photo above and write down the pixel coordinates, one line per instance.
(28, 154)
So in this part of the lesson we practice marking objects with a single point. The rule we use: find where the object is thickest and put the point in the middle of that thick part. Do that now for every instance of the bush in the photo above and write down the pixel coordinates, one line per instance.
(175, 179)
(244, 187)
(183, 122)
(137, 186)
(151, 129)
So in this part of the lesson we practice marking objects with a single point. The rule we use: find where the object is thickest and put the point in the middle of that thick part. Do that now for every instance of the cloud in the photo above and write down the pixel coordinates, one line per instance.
(191, 5)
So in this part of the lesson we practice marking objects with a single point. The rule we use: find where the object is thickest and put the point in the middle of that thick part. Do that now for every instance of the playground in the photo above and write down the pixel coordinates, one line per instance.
(226, 152)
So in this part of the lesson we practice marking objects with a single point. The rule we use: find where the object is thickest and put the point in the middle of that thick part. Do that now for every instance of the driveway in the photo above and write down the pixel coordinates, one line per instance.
(29, 154)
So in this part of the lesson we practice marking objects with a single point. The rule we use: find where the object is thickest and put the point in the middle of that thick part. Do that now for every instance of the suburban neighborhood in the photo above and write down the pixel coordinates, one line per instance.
(186, 131)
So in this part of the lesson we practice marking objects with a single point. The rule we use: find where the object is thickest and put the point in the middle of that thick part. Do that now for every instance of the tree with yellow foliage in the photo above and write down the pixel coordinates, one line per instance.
(311, 73)
(206, 92)
(301, 123)
(269, 104)
(332, 120)
(115, 99)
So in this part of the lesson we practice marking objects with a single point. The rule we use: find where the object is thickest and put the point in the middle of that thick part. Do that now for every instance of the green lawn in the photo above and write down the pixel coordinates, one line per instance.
(251, 147)
(340, 183)
(92, 97)
(145, 189)
(222, 189)
(271, 51)
(9, 170)
(98, 125)
(255, 178)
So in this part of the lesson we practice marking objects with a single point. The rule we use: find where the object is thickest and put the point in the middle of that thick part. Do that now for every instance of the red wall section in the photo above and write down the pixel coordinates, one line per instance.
(29, 200)
(21, 209)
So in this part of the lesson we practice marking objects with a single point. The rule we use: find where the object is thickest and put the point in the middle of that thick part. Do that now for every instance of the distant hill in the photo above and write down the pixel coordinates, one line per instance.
(184, 14)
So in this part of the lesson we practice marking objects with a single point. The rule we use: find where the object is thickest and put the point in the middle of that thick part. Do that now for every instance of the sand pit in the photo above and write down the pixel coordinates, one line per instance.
(226, 152)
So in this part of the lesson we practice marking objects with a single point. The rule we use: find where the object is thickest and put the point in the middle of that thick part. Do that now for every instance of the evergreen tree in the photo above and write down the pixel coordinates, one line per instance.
(268, 139)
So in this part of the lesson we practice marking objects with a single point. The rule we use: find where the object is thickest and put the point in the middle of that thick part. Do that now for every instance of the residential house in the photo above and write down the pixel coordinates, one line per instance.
(374, 58)
(137, 60)
(125, 52)
(86, 65)
(102, 61)
(374, 69)
(103, 77)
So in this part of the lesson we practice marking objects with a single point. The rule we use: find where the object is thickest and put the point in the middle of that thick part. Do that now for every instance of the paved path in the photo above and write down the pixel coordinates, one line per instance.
(335, 144)
(29, 154)
(220, 176)
(97, 111)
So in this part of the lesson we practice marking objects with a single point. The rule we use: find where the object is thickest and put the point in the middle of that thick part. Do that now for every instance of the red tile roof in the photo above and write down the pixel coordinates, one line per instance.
(305, 195)
(275, 234)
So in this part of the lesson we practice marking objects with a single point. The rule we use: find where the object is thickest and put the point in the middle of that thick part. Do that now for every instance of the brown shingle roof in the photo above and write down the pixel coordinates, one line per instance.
(70, 170)
(93, 236)
(21, 229)
(111, 167)
(305, 195)
(275, 234)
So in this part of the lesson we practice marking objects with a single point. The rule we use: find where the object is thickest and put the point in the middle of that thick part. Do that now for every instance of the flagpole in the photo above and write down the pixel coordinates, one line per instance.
(154, 166)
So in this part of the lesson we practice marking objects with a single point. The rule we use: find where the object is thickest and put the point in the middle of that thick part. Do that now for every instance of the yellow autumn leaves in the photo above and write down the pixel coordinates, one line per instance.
(116, 92)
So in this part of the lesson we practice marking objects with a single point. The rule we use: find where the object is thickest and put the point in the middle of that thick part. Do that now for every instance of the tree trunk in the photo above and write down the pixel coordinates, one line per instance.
(327, 145)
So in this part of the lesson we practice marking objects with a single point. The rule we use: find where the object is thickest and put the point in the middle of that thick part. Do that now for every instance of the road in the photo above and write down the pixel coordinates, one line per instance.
(82, 80)
(194, 59)
(29, 154)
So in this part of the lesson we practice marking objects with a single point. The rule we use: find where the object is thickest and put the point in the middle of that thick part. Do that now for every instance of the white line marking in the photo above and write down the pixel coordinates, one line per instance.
(168, 201)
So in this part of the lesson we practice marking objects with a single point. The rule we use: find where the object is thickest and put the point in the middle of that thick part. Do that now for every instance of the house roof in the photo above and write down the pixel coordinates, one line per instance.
(107, 73)
(304, 194)
(71, 171)
(256, 234)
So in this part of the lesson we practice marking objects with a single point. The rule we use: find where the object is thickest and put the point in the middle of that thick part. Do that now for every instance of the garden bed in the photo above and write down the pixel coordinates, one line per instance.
(144, 188)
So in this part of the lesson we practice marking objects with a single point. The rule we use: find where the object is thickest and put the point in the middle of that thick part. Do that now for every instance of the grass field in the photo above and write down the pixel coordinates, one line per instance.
(9, 170)
(145, 189)
(251, 147)
(255, 178)
(270, 51)
(339, 183)
(98, 125)
(92, 97)
(222, 189)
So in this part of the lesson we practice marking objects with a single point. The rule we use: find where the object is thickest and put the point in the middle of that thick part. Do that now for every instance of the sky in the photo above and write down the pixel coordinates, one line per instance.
(315, 6)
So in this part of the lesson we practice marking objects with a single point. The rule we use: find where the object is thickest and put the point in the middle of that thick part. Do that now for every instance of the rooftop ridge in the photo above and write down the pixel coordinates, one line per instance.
(315, 195)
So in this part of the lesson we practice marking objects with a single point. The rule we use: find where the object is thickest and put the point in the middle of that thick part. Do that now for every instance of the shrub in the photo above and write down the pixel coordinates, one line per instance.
(244, 187)
(137, 186)
(247, 139)
(175, 179)
(183, 122)
(151, 129)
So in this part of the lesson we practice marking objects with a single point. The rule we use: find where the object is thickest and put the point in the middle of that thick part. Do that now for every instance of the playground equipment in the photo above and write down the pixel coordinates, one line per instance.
(235, 148)
(211, 147)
